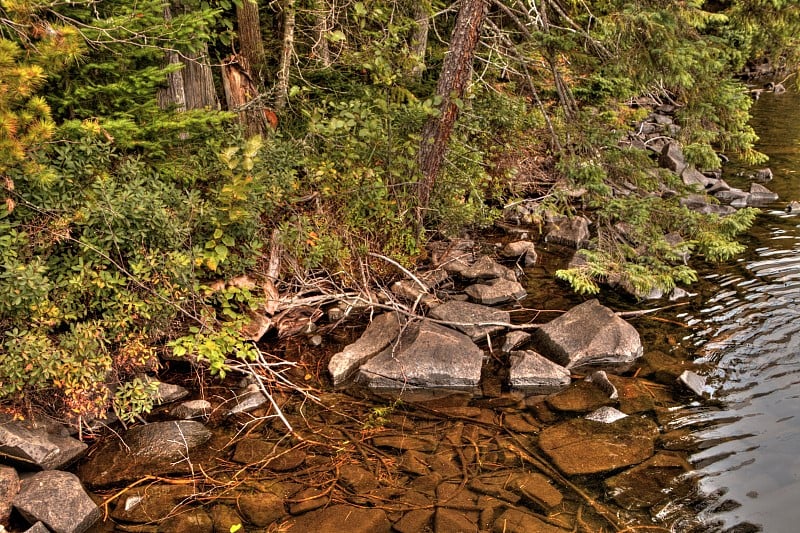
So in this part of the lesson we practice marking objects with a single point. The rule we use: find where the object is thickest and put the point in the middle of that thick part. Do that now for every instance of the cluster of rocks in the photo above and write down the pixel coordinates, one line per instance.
(37, 454)
(657, 134)
(440, 351)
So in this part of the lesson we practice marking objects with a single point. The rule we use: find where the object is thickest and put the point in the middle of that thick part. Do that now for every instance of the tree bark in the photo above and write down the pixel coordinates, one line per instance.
(453, 80)
(320, 49)
(287, 51)
(198, 81)
(173, 96)
(251, 44)
(419, 38)
(240, 95)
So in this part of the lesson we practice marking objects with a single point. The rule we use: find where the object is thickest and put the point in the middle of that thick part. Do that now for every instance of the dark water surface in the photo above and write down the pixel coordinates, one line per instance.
(748, 330)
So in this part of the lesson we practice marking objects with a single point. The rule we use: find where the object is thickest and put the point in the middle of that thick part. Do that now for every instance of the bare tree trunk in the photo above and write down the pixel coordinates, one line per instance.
(320, 49)
(419, 39)
(198, 81)
(173, 95)
(453, 80)
(287, 51)
(240, 95)
(251, 44)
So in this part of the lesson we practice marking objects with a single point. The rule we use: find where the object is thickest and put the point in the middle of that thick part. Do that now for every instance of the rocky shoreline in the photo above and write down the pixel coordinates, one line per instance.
(526, 417)
(491, 424)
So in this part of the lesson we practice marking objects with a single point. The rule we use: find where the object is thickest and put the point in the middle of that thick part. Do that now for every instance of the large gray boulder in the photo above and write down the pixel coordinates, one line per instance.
(9, 487)
(467, 317)
(38, 445)
(761, 195)
(572, 232)
(589, 335)
(532, 373)
(382, 331)
(428, 355)
(154, 449)
(58, 500)
(672, 158)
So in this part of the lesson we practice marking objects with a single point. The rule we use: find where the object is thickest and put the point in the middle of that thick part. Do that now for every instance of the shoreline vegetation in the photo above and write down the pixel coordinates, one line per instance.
(181, 179)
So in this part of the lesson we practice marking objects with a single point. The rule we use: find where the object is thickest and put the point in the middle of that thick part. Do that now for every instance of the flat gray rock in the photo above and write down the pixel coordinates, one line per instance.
(58, 500)
(760, 194)
(192, 409)
(572, 232)
(496, 291)
(515, 339)
(535, 374)
(42, 446)
(589, 335)
(521, 249)
(382, 331)
(466, 316)
(153, 449)
(487, 268)
(429, 356)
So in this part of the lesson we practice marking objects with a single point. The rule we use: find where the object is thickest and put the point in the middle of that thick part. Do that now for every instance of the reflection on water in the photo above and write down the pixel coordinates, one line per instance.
(749, 328)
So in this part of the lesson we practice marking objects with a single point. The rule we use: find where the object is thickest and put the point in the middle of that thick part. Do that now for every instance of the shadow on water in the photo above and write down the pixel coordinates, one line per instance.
(748, 331)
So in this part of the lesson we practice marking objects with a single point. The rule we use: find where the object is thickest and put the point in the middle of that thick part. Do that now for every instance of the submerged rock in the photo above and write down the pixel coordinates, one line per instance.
(516, 521)
(427, 355)
(382, 331)
(581, 446)
(589, 335)
(581, 397)
(153, 449)
(147, 504)
(342, 518)
(533, 373)
(649, 483)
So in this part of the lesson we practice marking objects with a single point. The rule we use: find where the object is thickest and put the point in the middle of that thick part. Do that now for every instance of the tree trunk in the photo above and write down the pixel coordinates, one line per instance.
(198, 81)
(173, 95)
(419, 38)
(287, 51)
(251, 44)
(240, 95)
(453, 80)
(320, 49)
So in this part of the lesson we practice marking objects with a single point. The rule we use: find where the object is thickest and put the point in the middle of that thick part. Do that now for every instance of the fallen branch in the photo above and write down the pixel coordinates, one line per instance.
(629, 314)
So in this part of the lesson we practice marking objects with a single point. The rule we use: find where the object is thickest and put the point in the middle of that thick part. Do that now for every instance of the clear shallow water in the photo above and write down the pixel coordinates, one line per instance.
(748, 330)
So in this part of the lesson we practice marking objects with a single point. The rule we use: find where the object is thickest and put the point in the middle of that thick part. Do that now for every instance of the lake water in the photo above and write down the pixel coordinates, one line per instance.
(748, 331)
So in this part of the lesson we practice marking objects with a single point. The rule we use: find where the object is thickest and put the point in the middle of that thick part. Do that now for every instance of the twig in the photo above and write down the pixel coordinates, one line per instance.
(640, 312)
(404, 269)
